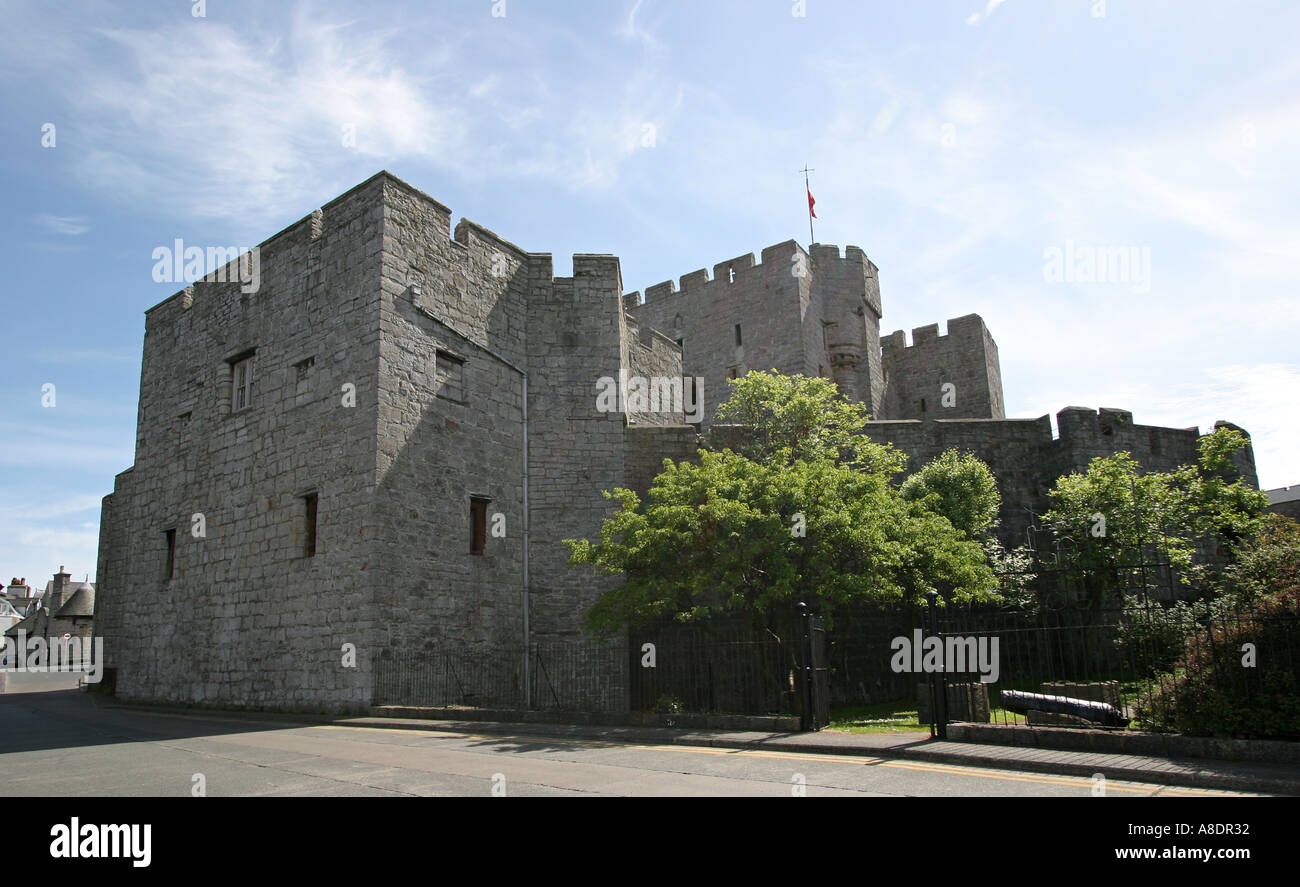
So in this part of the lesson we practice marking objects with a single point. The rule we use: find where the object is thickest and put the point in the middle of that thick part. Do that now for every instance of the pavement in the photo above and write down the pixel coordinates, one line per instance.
(1264, 778)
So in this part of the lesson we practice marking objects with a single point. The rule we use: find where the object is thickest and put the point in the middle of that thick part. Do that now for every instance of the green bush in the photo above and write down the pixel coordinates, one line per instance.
(1213, 692)
(1154, 637)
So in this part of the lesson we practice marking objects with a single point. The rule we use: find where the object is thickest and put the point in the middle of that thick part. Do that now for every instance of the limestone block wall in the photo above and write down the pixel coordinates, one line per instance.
(648, 447)
(450, 430)
(778, 315)
(849, 288)
(1016, 451)
(657, 394)
(1027, 460)
(576, 335)
(246, 618)
(915, 376)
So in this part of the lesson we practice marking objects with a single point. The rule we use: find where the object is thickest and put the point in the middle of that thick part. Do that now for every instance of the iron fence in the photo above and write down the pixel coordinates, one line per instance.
(670, 669)
(1157, 667)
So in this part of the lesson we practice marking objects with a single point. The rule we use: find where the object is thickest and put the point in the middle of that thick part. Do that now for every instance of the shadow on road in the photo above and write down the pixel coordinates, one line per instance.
(73, 718)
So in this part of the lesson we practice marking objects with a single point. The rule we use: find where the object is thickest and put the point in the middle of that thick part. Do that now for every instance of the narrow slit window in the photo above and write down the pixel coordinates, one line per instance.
(738, 339)
(478, 524)
(310, 502)
(169, 570)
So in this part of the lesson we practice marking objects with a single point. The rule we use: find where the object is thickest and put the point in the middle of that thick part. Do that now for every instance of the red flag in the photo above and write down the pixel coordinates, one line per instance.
(811, 204)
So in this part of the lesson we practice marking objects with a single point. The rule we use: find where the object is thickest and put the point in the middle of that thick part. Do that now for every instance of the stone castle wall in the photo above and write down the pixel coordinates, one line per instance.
(433, 334)
(916, 376)
(246, 618)
(450, 430)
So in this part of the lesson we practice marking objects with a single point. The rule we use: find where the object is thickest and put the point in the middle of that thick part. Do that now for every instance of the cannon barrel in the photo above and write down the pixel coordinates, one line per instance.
(1098, 712)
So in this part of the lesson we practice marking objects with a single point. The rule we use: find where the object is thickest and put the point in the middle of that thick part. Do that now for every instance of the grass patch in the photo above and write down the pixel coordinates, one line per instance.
(884, 717)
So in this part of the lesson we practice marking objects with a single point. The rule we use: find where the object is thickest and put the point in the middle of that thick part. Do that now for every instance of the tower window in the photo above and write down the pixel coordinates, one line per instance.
(310, 502)
(449, 376)
(170, 569)
(478, 524)
(738, 341)
(241, 390)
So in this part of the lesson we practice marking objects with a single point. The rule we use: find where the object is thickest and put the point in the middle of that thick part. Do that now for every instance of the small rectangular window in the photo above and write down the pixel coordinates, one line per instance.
(241, 388)
(478, 525)
(170, 570)
(449, 376)
(183, 429)
(309, 544)
(738, 341)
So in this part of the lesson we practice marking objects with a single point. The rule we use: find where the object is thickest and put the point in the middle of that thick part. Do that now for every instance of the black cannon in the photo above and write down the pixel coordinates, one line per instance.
(1098, 712)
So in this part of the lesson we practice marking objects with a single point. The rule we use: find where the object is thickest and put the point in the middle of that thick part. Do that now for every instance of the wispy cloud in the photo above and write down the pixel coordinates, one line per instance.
(976, 17)
(68, 225)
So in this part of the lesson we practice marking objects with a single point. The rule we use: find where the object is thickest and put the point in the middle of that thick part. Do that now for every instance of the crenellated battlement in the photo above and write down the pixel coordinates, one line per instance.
(969, 328)
(782, 258)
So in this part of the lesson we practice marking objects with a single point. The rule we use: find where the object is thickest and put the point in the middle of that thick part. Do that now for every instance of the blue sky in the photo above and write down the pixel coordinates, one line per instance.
(958, 142)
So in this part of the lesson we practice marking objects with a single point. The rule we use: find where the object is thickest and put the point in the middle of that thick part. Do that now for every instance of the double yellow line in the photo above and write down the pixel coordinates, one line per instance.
(1119, 786)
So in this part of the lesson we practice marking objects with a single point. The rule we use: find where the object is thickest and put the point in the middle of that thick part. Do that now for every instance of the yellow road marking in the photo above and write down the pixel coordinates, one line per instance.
(858, 760)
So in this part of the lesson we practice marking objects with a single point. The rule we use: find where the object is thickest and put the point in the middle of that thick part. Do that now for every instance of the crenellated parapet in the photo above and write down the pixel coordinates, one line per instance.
(813, 312)
(953, 376)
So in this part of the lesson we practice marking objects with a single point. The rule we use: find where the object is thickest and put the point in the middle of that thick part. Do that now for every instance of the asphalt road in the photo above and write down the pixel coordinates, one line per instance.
(70, 744)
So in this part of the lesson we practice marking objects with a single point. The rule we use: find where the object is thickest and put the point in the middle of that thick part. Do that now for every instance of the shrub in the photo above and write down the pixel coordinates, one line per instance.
(1153, 636)
(1213, 691)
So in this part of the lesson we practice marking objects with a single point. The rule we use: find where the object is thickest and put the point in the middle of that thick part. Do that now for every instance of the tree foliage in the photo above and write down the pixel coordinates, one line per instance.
(1270, 563)
(1114, 515)
(961, 488)
(804, 509)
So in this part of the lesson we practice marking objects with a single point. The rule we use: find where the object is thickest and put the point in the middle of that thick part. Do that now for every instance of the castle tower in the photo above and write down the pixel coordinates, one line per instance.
(957, 376)
(812, 314)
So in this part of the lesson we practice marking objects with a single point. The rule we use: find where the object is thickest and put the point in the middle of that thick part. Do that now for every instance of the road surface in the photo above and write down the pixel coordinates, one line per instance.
(70, 744)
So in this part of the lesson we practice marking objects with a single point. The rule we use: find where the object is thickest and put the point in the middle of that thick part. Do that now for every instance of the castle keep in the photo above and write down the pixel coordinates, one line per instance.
(384, 446)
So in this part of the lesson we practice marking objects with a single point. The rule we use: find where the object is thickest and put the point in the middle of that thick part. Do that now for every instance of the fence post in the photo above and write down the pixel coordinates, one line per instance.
(805, 668)
(939, 695)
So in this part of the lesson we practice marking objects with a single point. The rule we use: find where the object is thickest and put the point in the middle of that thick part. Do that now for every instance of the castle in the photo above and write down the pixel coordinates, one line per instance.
(385, 444)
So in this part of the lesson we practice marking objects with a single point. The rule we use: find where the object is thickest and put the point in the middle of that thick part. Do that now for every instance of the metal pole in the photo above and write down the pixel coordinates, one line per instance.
(805, 688)
(941, 702)
(528, 684)
(807, 187)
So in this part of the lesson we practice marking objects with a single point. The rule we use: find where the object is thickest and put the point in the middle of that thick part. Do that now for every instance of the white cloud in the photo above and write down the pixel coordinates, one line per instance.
(68, 225)
(976, 17)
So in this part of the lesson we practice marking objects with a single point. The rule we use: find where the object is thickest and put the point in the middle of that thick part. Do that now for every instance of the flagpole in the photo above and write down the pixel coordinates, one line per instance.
(807, 187)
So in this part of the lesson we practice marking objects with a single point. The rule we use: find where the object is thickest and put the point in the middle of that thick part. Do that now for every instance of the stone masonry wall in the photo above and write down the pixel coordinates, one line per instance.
(247, 619)
(450, 430)
(915, 376)
(576, 335)
(775, 310)
(657, 392)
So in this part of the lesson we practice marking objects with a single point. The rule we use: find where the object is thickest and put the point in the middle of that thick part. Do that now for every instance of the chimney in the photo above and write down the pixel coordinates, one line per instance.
(60, 587)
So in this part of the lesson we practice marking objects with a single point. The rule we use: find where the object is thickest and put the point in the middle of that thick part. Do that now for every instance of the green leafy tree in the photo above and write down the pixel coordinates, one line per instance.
(801, 511)
(787, 419)
(961, 488)
(1270, 563)
(1113, 515)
